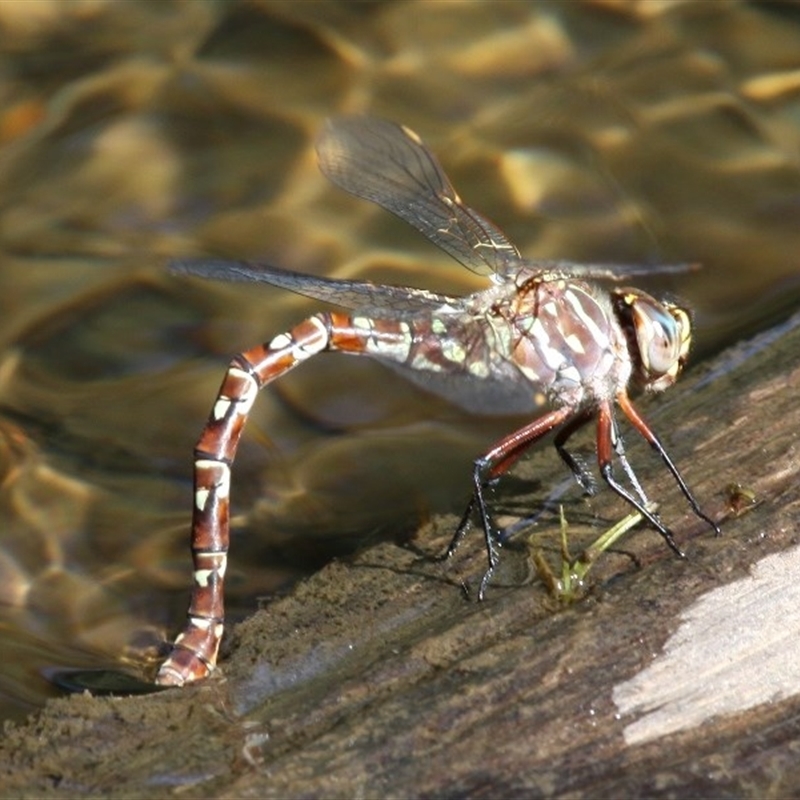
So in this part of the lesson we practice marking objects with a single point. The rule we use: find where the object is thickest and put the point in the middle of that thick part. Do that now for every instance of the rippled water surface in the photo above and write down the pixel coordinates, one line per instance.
(130, 133)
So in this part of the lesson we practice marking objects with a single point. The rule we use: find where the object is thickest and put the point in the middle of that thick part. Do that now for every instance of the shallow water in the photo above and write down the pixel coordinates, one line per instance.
(131, 133)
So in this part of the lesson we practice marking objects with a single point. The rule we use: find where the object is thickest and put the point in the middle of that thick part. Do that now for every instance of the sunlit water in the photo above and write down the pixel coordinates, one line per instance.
(659, 132)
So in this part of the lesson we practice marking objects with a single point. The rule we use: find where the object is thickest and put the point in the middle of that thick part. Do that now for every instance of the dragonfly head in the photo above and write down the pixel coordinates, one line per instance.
(659, 333)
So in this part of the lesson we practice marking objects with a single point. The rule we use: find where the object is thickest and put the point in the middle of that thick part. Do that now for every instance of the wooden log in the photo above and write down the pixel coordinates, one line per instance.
(376, 677)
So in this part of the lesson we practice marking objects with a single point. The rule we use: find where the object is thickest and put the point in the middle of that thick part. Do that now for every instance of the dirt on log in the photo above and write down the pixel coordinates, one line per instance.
(377, 677)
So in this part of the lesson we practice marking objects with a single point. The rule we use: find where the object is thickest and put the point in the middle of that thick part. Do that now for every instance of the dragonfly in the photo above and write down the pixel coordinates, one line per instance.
(550, 335)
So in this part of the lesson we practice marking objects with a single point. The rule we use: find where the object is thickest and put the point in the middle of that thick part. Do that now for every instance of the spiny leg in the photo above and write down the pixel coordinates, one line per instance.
(606, 428)
(584, 478)
(491, 466)
(194, 652)
(649, 435)
(577, 467)
(619, 449)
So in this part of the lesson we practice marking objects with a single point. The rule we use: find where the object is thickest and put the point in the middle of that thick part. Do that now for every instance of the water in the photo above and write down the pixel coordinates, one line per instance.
(131, 133)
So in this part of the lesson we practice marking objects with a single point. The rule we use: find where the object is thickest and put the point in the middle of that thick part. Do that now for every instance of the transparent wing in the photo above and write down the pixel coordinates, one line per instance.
(372, 299)
(509, 393)
(553, 270)
(506, 392)
(389, 165)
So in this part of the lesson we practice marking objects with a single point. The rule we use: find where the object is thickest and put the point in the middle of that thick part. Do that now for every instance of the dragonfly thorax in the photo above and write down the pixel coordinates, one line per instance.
(569, 342)
(659, 336)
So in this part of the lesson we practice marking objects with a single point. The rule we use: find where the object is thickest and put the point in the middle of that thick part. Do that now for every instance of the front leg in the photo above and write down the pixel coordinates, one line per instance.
(607, 442)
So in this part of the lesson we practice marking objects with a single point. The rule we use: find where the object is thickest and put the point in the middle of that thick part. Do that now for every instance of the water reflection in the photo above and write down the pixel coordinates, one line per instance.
(131, 133)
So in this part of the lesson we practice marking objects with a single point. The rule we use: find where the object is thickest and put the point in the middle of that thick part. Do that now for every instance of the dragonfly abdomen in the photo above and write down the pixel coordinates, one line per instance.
(195, 650)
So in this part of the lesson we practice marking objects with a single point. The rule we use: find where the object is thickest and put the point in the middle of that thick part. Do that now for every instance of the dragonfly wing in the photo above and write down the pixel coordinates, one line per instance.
(605, 272)
(506, 393)
(388, 164)
(496, 395)
(371, 299)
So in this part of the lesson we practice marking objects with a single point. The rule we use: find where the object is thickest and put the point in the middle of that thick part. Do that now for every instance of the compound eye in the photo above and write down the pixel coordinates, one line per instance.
(660, 337)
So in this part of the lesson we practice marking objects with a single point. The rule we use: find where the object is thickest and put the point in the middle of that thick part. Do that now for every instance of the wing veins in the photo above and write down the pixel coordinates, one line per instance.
(376, 300)
(388, 165)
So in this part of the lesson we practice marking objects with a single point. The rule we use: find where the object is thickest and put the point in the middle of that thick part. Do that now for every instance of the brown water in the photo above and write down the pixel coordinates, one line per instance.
(131, 133)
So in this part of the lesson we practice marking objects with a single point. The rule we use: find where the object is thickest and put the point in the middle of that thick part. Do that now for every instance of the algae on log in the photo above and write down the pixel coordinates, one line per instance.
(376, 677)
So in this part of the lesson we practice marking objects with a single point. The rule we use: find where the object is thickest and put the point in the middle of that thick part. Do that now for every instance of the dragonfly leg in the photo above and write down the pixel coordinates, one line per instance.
(492, 541)
(644, 429)
(461, 530)
(194, 652)
(494, 463)
(579, 470)
(606, 445)
(619, 450)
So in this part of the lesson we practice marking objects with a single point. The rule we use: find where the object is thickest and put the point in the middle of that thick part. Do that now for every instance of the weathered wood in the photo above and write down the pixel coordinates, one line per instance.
(377, 678)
